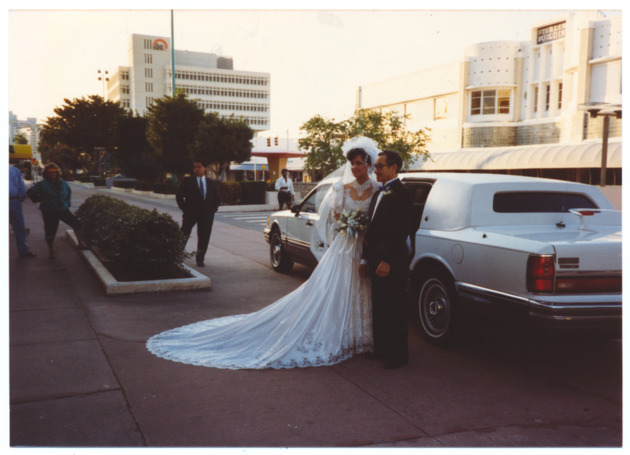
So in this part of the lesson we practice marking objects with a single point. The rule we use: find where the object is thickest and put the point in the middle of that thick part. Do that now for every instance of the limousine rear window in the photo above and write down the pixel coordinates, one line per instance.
(540, 202)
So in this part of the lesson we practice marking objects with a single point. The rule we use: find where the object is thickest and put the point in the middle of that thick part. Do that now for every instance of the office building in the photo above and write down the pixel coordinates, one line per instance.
(207, 78)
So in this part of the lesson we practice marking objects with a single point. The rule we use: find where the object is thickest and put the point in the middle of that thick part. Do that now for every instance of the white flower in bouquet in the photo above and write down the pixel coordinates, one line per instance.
(351, 222)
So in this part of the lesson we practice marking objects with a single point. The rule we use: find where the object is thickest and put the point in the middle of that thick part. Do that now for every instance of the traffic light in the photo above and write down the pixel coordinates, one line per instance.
(275, 141)
(268, 142)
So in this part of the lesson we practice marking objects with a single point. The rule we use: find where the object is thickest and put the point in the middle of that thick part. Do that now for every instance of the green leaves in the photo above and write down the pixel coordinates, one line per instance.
(138, 244)
(80, 126)
(323, 139)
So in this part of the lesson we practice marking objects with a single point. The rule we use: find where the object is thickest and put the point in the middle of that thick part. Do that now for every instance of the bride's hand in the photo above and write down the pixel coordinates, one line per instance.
(382, 270)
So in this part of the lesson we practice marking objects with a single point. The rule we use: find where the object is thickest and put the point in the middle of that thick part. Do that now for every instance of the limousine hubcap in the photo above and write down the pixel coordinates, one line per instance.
(277, 253)
(434, 307)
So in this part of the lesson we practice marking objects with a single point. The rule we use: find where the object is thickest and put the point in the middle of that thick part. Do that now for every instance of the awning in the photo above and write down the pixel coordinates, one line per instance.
(293, 164)
(276, 153)
(547, 156)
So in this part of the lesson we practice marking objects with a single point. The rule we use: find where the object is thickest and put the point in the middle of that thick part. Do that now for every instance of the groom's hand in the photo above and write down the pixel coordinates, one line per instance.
(382, 270)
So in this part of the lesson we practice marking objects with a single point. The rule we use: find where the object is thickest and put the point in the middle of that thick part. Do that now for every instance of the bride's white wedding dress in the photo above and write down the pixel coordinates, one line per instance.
(324, 321)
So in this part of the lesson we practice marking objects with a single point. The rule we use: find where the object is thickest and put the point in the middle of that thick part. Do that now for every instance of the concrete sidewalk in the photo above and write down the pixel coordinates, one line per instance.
(81, 376)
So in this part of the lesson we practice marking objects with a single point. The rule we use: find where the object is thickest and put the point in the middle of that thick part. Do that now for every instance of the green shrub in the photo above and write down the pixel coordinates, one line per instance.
(165, 188)
(143, 186)
(253, 192)
(137, 244)
(229, 193)
(126, 183)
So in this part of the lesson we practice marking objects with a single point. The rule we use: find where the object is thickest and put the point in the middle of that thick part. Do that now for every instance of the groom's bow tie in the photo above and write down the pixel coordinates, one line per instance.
(385, 187)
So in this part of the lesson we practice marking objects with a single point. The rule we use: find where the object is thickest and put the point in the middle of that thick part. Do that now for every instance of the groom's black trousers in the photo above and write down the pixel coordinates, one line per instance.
(389, 312)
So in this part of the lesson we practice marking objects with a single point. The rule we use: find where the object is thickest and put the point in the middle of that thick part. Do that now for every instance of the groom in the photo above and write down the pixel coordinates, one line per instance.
(198, 198)
(386, 260)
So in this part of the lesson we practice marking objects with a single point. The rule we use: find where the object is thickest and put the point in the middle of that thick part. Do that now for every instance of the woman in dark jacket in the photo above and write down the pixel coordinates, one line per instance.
(54, 196)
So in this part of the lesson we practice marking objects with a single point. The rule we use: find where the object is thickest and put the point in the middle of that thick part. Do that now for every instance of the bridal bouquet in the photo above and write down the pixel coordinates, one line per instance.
(351, 222)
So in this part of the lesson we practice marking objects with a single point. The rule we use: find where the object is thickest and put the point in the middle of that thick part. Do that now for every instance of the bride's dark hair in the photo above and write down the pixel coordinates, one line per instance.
(353, 153)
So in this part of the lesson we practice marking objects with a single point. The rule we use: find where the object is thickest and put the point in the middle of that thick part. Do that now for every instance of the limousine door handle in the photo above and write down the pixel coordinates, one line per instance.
(309, 223)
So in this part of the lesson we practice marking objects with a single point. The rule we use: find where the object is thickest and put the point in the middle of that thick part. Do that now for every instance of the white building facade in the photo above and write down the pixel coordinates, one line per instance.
(206, 78)
(551, 89)
(28, 127)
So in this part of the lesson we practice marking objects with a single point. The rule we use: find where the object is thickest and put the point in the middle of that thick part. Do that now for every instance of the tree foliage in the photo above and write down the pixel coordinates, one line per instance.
(324, 138)
(222, 140)
(133, 154)
(172, 123)
(19, 138)
(323, 141)
(81, 126)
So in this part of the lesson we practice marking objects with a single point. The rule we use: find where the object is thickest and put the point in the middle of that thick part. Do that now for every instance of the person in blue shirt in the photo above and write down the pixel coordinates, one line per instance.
(54, 196)
(17, 193)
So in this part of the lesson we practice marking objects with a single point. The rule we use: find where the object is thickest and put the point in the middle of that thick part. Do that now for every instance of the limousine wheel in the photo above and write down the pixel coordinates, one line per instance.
(279, 259)
(437, 308)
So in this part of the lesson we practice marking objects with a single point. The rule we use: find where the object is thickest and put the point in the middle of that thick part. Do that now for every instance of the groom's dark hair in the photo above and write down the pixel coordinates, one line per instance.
(392, 158)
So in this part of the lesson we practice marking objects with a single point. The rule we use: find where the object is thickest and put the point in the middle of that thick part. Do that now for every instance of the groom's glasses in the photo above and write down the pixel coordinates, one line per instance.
(380, 166)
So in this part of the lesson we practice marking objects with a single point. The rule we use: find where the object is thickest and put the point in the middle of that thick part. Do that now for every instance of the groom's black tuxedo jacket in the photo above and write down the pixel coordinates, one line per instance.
(189, 198)
(390, 225)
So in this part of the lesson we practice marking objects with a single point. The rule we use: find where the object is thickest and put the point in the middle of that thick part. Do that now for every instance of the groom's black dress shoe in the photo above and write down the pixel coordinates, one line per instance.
(393, 364)
(200, 261)
(374, 355)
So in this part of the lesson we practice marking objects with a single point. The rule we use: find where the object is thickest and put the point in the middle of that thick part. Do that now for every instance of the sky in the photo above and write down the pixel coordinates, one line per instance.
(316, 58)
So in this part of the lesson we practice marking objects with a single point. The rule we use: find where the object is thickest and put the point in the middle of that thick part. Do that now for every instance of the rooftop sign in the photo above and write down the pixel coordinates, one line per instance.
(160, 45)
(551, 32)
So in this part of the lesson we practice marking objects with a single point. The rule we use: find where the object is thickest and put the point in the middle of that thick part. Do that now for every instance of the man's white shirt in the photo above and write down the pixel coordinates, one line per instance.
(284, 182)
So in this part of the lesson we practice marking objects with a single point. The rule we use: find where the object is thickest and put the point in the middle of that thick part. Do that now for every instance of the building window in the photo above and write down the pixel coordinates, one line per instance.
(547, 97)
(559, 95)
(489, 102)
(440, 108)
(535, 99)
(148, 58)
(148, 73)
(148, 86)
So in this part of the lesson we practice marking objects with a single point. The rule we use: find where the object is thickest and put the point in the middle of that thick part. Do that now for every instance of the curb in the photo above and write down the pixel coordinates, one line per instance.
(113, 286)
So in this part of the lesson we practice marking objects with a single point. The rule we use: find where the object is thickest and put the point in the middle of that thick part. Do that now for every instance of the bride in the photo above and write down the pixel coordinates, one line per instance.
(324, 321)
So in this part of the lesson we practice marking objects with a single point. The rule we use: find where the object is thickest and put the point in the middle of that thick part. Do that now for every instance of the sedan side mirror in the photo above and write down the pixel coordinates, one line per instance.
(295, 209)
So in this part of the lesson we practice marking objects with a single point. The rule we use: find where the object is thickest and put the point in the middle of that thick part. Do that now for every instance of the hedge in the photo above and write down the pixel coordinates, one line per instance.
(253, 192)
(135, 243)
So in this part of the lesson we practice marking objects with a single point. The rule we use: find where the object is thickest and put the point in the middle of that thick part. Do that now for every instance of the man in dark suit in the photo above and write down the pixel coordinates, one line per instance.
(198, 197)
(386, 260)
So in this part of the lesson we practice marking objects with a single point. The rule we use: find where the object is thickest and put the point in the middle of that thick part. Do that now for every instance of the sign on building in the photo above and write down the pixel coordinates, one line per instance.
(551, 32)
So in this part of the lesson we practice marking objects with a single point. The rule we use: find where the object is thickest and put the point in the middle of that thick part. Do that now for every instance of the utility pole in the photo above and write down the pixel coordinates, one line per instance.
(172, 56)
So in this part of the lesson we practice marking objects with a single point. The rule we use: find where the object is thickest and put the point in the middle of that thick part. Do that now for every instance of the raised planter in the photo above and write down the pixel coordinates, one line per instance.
(113, 286)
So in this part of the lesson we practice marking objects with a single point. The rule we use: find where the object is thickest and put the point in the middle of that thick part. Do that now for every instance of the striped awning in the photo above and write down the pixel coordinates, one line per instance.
(586, 154)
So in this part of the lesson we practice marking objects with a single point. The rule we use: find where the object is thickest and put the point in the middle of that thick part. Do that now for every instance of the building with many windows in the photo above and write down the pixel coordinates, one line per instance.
(27, 127)
(207, 78)
(540, 107)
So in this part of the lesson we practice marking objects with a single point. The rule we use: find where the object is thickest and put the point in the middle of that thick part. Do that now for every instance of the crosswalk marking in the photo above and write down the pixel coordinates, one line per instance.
(252, 219)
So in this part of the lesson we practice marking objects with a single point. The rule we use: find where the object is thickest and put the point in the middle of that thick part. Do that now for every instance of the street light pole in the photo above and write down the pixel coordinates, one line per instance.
(104, 77)
(172, 55)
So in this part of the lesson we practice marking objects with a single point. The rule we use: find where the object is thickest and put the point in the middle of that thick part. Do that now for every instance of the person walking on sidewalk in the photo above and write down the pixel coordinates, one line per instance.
(17, 193)
(54, 196)
(284, 187)
(198, 198)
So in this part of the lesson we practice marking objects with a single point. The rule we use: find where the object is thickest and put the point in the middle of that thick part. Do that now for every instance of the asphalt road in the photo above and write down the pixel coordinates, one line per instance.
(496, 387)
